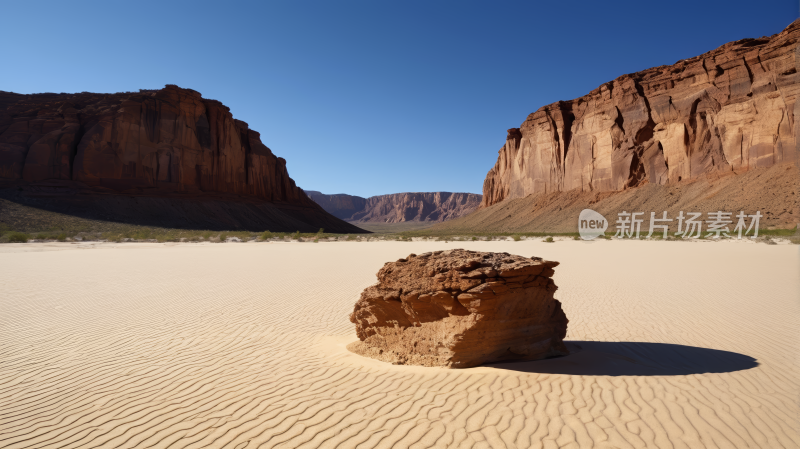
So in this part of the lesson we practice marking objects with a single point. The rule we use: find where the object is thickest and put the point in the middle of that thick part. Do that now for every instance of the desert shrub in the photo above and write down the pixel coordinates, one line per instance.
(474, 238)
(61, 237)
(206, 235)
(321, 231)
(266, 235)
(549, 240)
(351, 237)
(516, 237)
(316, 240)
(143, 234)
(223, 237)
(18, 237)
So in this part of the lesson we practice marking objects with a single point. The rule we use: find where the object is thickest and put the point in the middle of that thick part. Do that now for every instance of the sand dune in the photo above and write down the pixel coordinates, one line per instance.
(677, 345)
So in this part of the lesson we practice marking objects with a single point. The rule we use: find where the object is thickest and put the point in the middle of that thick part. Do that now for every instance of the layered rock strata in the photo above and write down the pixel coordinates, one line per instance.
(728, 110)
(425, 206)
(159, 143)
(459, 309)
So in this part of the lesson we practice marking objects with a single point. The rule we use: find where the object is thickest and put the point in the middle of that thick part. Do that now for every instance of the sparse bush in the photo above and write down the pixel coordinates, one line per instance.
(316, 240)
(61, 237)
(351, 237)
(516, 237)
(266, 235)
(321, 231)
(474, 238)
(575, 237)
(18, 237)
(223, 238)
(549, 240)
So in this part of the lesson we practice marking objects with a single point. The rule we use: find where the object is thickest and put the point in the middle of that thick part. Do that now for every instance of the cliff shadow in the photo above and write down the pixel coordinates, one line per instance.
(629, 358)
(35, 211)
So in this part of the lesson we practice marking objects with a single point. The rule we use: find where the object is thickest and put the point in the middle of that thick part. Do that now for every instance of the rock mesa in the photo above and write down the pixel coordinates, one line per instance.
(459, 309)
(160, 143)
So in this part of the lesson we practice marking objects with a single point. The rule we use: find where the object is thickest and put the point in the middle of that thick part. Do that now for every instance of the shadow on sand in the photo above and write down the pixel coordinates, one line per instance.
(604, 358)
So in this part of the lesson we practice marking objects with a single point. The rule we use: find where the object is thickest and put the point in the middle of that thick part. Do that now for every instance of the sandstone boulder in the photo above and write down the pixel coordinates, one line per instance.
(459, 309)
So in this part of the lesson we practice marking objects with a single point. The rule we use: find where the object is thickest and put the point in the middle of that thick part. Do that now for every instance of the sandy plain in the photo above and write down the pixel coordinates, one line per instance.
(241, 345)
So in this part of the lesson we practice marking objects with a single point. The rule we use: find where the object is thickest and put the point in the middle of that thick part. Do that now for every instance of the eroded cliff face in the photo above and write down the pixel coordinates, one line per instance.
(167, 140)
(728, 110)
(429, 206)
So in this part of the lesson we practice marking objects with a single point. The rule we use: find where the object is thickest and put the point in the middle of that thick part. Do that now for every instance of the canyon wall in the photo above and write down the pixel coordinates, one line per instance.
(728, 110)
(169, 142)
(429, 206)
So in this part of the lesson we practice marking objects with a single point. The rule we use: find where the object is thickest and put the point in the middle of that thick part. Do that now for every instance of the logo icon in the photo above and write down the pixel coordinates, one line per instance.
(591, 224)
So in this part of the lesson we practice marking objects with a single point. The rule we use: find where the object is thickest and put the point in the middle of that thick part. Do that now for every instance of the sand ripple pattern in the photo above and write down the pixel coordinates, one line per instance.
(211, 346)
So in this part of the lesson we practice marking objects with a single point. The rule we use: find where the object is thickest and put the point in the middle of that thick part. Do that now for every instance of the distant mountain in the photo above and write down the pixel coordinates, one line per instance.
(398, 207)
(339, 205)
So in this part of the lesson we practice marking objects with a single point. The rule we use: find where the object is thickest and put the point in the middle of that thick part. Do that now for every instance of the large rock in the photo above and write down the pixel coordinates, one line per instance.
(459, 309)
(170, 142)
(728, 110)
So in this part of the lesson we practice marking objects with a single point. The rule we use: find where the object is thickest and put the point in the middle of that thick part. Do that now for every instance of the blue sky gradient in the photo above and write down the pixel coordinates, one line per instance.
(368, 97)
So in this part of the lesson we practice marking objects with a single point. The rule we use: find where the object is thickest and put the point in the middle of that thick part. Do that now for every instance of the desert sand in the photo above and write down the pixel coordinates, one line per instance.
(242, 345)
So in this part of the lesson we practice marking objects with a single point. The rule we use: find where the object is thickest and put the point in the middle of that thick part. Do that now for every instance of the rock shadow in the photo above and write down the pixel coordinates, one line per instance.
(629, 358)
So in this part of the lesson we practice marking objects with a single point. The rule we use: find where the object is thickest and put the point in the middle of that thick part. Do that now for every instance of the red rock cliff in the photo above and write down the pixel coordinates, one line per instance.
(169, 140)
(730, 109)
(167, 143)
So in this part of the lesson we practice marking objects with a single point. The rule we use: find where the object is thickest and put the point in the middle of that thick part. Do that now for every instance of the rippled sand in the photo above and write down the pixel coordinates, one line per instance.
(242, 346)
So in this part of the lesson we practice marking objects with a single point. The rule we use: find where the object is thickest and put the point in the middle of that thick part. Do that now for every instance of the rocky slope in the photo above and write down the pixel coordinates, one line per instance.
(726, 111)
(398, 207)
(155, 143)
(772, 191)
(339, 205)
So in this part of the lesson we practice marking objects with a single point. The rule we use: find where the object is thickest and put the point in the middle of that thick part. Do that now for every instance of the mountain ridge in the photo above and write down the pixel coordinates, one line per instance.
(398, 207)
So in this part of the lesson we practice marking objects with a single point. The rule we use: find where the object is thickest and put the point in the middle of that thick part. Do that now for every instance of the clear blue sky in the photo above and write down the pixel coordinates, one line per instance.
(368, 97)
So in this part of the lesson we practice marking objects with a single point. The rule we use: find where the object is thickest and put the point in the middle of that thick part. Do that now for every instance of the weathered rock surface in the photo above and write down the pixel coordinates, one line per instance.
(459, 309)
(728, 110)
(339, 205)
(428, 206)
(158, 143)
